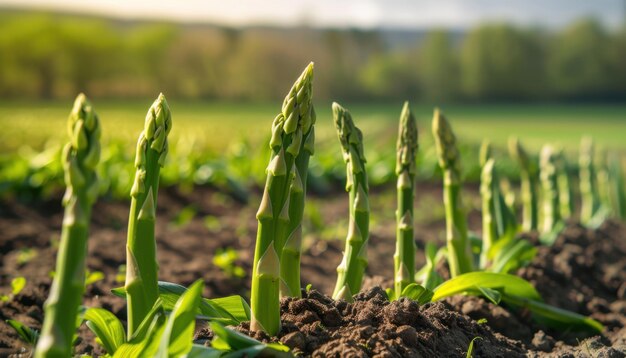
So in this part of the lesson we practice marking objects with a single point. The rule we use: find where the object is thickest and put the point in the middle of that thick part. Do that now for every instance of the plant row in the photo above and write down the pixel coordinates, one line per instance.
(161, 316)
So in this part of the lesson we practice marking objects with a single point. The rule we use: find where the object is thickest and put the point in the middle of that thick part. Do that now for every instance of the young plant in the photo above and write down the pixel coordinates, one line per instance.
(617, 187)
(290, 255)
(548, 174)
(517, 293)
(459, 253)
(141, 263)
(499, 222)
(17, 285)
(485, 153)
(158, 335)
(566, 200)
(588, 181)
(352, 267)
(273, 218)
(80, 157)
(489, 196)
(529, 178)
(404, 257)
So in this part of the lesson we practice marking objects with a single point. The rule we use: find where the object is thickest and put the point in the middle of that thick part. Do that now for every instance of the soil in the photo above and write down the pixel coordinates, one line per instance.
(584, 271)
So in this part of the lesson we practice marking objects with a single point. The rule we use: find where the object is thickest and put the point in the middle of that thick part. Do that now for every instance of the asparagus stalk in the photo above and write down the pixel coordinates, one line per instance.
(141, 262)
(352, 267)
(588, 183)
(273, 216)
(407, 145)
(290, 256)
(566, 202)
(488, 196)
(485, 153)
(617, 189)
(459, 253)
(80, 157)
(603, 184)
(548, 174)
(529, 179)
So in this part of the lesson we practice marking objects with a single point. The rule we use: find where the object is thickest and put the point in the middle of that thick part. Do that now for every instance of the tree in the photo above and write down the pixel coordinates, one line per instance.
(438, 67)
(501, 62)
(579, 64)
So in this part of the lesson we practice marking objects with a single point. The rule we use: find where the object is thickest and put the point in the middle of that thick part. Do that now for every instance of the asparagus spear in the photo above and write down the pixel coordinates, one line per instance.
(529, 177)
(566, 202)
(588, 183)
(459, 254)
(617, 189)
(290, 256)
(273, 216)
(404, 257)
(551, 212)
(487, 192)
(352, 267)
(80, 157)
(141, 263)
(485, 153)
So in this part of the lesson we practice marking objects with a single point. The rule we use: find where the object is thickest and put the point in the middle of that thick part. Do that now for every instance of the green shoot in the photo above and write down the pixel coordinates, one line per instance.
(566, 195)
(26, 334)
(17, 285)
(290, 255)
(80, 158)
(470, 349)
(617, 187)
(529, 174)
(588, 181)
(459, 253)
(352, 267)
(404, 257)
(288, 132)
(141, 263)
(549, 185)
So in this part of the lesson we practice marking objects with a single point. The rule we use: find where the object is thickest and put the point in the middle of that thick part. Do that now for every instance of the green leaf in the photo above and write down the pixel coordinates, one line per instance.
(391, 294)
(17, 285)
(145, 341)
(230, 310)
(26, 333)
(234, 305)
(470, 349)
(492, 295)
(229, 339)
(417, 293)
(240, 345)
(93, 277)
(198, 351)
(106, 327)
(553, 316)
(511, 254)
(427, 275)
(468, 283)
(178, 334)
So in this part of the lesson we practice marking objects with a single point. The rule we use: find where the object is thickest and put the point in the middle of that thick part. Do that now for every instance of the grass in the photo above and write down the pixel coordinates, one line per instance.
(216, 123)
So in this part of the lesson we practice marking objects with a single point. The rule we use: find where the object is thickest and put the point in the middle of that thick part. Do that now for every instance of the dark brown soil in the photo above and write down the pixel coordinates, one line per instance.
(584, 271)
(318, 326)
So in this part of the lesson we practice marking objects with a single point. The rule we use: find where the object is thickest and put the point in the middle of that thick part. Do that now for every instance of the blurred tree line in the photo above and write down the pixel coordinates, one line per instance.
(44, 56)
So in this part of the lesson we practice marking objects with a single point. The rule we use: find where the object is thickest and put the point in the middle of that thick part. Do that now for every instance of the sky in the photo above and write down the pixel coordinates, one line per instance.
(347, 13)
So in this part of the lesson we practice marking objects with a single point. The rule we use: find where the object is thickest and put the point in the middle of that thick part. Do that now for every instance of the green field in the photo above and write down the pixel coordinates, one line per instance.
(218, 124)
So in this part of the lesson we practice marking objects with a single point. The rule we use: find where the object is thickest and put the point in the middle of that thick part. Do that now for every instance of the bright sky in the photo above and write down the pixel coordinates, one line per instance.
(344, 13)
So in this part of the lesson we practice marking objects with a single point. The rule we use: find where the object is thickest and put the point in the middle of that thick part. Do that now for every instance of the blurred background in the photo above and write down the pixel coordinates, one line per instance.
(543, 71)
(453, 51)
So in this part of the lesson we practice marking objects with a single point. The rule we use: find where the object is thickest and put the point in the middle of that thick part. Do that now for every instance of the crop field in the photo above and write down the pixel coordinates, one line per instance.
(220, 124)
(363, 229)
